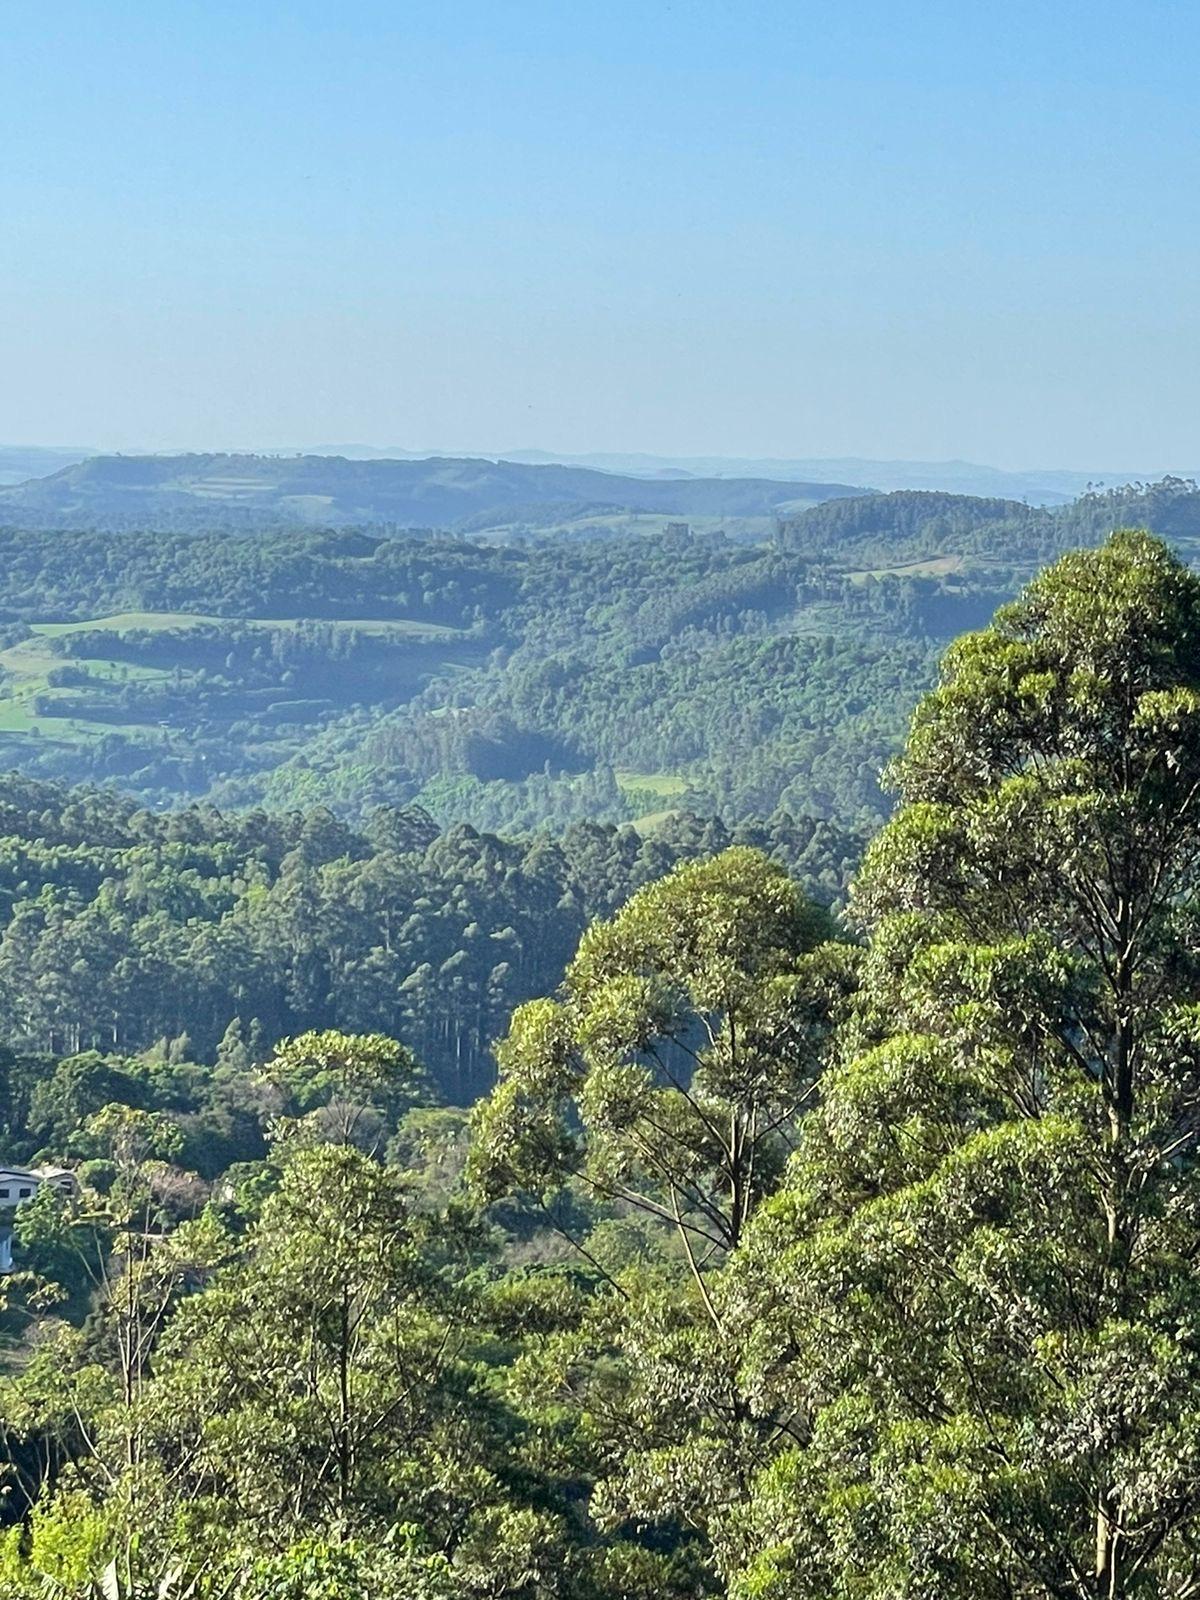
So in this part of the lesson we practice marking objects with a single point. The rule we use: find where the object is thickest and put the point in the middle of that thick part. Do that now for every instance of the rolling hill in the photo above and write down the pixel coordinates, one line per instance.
(508, 683)
(440, 492)
(910, 525)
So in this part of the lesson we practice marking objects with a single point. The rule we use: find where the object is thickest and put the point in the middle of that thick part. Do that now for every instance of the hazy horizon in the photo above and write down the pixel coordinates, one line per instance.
(588, 456)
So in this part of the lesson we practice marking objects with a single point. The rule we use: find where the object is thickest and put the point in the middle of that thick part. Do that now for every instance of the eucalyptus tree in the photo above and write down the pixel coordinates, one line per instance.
(976, 1304)
(320, 1410)
(657, 1098)
(343, 1087)
(669, 1074)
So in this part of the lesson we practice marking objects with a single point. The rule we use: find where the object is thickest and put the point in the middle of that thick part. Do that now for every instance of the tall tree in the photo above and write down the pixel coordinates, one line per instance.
(649, 1110)
(346, 1086)
(671, 1073)
(976, 1303)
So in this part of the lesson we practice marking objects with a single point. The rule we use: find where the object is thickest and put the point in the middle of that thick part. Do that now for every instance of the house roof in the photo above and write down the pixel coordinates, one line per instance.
(36, 1174)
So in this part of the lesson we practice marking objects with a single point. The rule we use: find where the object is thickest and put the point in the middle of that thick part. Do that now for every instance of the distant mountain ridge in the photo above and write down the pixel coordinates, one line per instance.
(1050, 486)
(436, 492)
(1038, 485)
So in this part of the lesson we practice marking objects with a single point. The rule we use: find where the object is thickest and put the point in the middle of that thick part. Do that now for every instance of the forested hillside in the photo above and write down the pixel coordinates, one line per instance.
(1003, 536)
(801, 1246)
(514, 685)
(493, 684)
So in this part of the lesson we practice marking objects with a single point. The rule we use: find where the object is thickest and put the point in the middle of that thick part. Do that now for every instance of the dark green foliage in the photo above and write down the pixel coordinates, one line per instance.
(513, 685)
(771, 1265)
(121, 927)
(494, 685)
(323, 1373)
(1006, 536)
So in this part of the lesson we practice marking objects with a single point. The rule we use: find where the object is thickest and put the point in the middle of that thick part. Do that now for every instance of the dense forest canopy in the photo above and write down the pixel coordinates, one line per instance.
(582, 671)
(799, 1247)
(317, 838)
(123, 929)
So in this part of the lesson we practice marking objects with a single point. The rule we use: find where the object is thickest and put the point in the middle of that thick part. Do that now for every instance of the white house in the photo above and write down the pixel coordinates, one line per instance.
(18, 1184)
(22, 1183)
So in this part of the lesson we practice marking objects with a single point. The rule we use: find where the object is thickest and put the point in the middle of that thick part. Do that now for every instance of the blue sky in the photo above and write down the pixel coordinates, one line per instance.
(911, 230)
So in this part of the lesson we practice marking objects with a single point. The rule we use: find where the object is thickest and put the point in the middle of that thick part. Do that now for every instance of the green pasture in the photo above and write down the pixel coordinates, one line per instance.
(931, 567)
(667, 785)
(27, 665)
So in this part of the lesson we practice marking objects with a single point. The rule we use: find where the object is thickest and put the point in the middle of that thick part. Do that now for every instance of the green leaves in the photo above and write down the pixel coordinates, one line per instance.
(688, 1038)
(975, 1300)
(345, 1086)
(661, 1094)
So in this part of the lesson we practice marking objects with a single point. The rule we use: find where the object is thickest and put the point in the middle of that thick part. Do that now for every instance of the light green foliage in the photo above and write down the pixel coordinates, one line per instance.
(510, 686)
(974, 1306)
(310, 1422)
(505, 687)
(666, 1084)
(803, 1271)
(317, 1569)
(346, 1087)
(130, 1137)
(671, 1072)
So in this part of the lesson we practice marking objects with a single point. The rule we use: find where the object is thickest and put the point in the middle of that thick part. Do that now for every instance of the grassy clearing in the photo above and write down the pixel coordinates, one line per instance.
(313, 506)
(30, 661)
(667, 785)
(931, 567)
(376, 626)
(120, 671)
(122, 621)
(17, 716)
(652, 820)
(27, 666)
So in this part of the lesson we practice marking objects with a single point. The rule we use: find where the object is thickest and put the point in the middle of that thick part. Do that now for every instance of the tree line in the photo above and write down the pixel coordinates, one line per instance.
(122, 928)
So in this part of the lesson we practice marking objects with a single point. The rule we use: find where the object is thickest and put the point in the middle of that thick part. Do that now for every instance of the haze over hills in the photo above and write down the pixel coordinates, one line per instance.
(1039, 486)
(21, 462)
(441, 492)
(511, 684)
